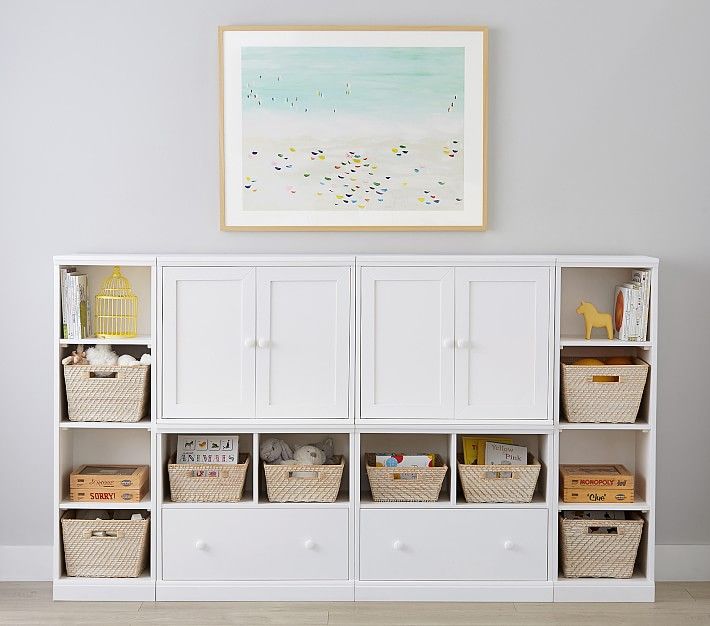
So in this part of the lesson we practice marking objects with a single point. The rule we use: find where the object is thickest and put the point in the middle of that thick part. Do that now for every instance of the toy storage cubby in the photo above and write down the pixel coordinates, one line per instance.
(105, 442)
(540, 445)
(166, 451)
(405, 443)
(341, 447)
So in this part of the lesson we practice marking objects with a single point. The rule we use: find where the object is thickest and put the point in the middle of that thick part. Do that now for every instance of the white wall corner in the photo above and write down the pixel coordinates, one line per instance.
(682, 562)
(25, 563)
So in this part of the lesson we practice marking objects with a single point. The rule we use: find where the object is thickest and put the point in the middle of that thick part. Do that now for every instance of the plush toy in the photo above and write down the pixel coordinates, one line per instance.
(77, 357)
(126, 360)
(309, 455)
(327, 446)
(101, 355)
(275, 451)
(146, 359)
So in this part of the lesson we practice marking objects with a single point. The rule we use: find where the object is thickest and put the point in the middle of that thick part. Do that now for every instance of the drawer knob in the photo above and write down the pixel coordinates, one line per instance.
(463, 343)
(448, 343)
(508, 544)
(309, 544)
(250, 342)
(397, 545)
(200, 545)
(264, 343)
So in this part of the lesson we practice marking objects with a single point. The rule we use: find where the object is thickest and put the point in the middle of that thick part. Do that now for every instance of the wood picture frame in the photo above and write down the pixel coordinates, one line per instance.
(353, 128)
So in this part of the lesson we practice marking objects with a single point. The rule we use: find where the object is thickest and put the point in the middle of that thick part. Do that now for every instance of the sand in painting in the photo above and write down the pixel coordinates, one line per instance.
(352, 129)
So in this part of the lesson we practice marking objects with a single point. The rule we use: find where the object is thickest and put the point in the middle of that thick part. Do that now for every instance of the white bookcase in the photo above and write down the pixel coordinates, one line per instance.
(381, 353)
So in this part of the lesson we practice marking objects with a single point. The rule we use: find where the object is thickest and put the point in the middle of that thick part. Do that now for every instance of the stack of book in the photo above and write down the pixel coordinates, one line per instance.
(76, 308)
(631, 305)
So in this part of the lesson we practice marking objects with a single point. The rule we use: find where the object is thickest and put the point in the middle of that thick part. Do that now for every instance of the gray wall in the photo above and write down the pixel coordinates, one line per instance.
(599, 143)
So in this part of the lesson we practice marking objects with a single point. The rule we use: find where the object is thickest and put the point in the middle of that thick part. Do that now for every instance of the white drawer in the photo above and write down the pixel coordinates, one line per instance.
(253, 544)
(447, 544)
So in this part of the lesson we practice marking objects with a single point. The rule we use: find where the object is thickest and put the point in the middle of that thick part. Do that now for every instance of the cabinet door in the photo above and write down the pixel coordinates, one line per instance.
(407, 346)
(208, 342)
(502, 343)
(303, 342)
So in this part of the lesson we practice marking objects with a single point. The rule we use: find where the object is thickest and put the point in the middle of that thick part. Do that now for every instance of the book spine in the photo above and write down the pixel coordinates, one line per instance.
(71, 306)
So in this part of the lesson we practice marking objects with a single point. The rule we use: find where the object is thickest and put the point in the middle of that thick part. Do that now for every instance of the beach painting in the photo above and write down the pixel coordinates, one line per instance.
(353, 129)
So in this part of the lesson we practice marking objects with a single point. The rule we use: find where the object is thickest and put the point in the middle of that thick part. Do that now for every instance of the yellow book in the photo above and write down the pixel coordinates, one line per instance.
(474, 448)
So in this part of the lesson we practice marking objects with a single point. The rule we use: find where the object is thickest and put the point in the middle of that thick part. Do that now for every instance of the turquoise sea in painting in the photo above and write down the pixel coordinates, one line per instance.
(380, 82)
(352, 128)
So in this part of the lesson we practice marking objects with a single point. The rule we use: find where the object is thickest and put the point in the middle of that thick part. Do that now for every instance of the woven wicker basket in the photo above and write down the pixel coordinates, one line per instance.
(499, 483)
(616, 402)
(585, 554)
(303, 483)
(405, 484)
(122, 396)
(105, 548)
(208, 482)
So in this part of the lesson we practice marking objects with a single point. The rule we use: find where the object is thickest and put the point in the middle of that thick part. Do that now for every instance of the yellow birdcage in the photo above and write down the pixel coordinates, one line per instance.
(116, 309)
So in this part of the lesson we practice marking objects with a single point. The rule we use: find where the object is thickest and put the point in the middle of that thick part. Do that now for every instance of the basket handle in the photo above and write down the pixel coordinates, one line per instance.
(108, 376)
(303, 474)
(104, 534)
(502, 475)
(605, 380)
(611, 531)
(207, 473)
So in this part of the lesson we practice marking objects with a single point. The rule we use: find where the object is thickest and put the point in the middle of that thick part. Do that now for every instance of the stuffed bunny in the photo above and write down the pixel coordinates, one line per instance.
(275, 451)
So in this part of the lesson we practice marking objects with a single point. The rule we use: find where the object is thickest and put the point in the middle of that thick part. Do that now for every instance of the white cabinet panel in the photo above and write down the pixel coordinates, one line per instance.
(407, 342)
(303, 347)
(448, 544)
(208, 342)
(502, 343)
(253, 544)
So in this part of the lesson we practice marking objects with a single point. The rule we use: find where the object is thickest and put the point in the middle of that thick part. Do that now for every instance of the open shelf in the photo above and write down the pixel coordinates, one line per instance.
(142, 424)
(140, 340)
(637, 425)
(580, 341)
(538, 502)
(144, 504)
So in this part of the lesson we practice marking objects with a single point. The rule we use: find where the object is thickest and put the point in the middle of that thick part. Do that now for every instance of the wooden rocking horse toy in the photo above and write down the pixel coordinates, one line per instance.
(594, 319)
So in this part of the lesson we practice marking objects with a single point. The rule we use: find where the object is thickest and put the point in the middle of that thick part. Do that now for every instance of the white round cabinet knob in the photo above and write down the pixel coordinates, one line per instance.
(309, 544)
(264, 343)
(397, 545)
(508, 544)
(448, 343)
(250, 343)
(200, 545)
(463, 343)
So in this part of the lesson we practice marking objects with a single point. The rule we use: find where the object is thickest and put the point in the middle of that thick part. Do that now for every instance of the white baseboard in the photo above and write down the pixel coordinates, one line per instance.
(25, 563)
(673, 562)
(680, 562)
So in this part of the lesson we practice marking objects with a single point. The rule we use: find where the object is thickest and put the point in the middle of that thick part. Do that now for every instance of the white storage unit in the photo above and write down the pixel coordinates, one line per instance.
(382, 353)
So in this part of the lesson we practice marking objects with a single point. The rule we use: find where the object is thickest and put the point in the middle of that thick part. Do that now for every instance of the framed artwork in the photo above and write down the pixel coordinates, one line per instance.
(353, 128)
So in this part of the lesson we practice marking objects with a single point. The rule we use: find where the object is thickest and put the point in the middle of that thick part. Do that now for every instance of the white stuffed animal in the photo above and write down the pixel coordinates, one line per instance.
(309, 455)
(101, 355)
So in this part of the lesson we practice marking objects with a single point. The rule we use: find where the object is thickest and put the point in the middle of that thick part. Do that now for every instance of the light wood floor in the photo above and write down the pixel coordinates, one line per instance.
(677, 604)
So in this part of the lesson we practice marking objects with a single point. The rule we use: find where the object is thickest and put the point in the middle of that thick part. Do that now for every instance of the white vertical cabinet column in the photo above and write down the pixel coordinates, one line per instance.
(303, 342)
(502, 343)
(208, 342)
(407, 342)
